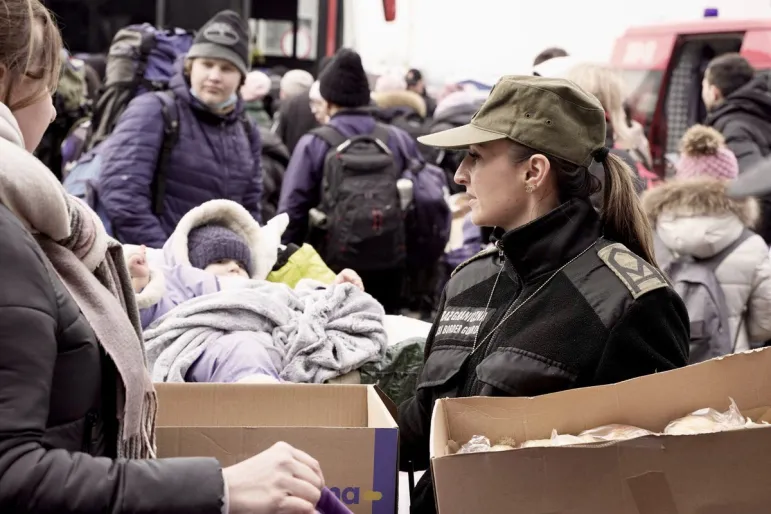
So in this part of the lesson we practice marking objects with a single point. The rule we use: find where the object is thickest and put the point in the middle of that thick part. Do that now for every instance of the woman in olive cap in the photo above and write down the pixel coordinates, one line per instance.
(568, 297)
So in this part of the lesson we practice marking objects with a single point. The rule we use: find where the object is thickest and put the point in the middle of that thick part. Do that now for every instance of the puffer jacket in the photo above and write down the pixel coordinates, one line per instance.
(553, 306)
(213, 158)
(301, 190)
(696, 218)
(58, 413)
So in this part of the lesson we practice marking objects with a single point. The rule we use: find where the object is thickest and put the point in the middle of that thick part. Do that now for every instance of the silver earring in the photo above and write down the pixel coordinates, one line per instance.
(529, 188)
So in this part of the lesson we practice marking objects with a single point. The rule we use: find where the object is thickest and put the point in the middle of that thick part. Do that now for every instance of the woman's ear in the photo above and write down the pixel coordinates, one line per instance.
(537, 171)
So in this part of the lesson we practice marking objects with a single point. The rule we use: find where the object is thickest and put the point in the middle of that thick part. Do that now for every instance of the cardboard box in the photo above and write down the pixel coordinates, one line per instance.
(347, 428)
(723, 473)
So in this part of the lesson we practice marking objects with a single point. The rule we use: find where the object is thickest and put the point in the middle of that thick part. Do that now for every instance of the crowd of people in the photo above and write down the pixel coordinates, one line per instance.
(525, 224)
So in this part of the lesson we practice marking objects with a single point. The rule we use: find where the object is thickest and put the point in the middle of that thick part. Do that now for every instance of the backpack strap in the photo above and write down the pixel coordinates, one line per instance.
(170, 115)
(713, 262)
(330, 135)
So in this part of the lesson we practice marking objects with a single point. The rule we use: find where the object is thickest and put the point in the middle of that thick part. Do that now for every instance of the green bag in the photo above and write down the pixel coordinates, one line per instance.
(72, 89)
(397, 374)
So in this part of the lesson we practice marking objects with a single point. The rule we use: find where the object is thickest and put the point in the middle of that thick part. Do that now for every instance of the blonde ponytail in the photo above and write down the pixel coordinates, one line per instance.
(622, 213)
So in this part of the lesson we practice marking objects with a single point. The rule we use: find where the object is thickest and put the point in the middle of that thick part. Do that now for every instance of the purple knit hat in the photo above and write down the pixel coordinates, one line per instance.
(211, 243)
(704, 154)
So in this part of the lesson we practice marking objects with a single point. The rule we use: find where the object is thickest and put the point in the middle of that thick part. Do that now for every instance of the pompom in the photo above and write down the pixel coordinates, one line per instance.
(700, 140)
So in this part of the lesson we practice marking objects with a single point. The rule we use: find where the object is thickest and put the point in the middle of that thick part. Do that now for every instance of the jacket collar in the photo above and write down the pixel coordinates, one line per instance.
(547, 243)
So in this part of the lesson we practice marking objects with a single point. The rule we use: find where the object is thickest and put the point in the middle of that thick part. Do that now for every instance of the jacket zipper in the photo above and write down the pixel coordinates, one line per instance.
(88, 431)
(494, 337)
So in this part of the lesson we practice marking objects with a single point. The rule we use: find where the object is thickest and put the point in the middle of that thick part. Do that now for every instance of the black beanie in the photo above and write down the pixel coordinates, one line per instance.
(225, 36)
(344, 82)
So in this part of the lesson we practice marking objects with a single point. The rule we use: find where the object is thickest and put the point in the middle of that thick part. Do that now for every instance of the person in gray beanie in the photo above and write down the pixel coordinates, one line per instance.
(217, 153)
(226, 37)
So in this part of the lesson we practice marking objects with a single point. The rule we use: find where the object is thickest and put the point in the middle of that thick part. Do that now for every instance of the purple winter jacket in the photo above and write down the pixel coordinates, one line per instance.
(301, 189)
(213, 158)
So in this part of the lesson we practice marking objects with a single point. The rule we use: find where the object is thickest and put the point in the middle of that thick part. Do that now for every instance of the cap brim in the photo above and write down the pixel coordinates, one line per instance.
(460, 138)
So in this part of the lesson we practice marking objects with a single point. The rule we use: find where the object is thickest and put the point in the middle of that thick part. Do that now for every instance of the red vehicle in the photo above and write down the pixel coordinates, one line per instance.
(664, 65)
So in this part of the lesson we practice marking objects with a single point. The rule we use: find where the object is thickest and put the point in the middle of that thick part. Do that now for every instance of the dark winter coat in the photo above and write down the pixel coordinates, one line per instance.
(294, 119)
(214, 158)
(744, 119)
(58, 411)
(597, 321)
(275, 159)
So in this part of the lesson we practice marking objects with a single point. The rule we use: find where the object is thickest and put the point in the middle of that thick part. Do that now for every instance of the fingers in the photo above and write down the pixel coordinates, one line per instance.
(294, 505)
(302, 489)
(311, 463)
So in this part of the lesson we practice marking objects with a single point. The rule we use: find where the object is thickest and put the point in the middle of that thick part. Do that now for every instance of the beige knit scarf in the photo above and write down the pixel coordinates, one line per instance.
(93, 269)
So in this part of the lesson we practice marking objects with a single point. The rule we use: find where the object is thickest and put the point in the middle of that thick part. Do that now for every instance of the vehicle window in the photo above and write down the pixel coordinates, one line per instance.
(643, 88)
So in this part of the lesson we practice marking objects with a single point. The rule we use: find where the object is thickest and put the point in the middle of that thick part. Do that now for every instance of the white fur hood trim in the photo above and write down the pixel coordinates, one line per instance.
(262, 241)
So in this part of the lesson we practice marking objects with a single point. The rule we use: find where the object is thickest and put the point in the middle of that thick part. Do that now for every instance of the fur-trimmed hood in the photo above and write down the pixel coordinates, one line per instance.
(395, 99)
(696, 217)
(263, 241)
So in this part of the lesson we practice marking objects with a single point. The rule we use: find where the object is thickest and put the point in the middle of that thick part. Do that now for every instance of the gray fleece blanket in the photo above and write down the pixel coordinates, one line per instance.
(319, 333)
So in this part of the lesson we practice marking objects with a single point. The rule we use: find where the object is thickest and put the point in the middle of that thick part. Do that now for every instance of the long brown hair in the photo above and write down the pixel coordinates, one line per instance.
(30, 47)
(622, 214)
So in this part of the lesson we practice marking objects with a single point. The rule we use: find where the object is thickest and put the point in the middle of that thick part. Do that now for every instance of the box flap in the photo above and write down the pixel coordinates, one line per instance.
(437, 440)
(262, 405)
(378, 413)
(388, 402)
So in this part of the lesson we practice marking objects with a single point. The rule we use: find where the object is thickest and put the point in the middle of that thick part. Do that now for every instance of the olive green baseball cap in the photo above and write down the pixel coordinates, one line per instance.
(550, 115)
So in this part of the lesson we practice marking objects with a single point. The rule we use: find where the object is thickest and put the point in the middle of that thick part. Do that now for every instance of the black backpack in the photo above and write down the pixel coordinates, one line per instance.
(359, 223)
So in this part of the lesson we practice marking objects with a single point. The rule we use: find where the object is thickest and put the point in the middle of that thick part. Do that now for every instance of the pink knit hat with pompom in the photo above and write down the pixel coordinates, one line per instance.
(704, 154)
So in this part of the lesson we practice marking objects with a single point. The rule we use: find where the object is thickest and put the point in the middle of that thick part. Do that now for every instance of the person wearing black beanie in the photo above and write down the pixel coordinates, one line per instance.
(344, 83)
(344, 87)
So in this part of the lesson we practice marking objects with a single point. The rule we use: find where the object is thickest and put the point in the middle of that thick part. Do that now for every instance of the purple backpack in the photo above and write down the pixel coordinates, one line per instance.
(429, 219)
(141, 59)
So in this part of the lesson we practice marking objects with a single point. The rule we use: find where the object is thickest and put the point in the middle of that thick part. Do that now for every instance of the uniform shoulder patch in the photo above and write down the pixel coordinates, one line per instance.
(637, 275)
(483, 253)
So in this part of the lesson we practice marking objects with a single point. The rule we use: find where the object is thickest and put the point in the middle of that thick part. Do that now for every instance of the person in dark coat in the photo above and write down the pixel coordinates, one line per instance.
(218, 151)
(739, 104)
(77, 403)
(275, 159)
(294, 119)
(567, 297)
(344, 86)
(415, 83)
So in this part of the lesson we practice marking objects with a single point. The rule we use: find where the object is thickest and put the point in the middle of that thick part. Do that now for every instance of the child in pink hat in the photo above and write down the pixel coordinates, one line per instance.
(704, 154)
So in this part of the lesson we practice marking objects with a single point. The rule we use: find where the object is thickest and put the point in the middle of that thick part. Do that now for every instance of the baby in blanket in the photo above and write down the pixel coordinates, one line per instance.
(218, 244)
(215, 246)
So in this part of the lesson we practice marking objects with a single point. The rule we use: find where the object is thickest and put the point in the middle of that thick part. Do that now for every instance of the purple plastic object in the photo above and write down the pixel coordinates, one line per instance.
(329, 504)
(711, 12)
